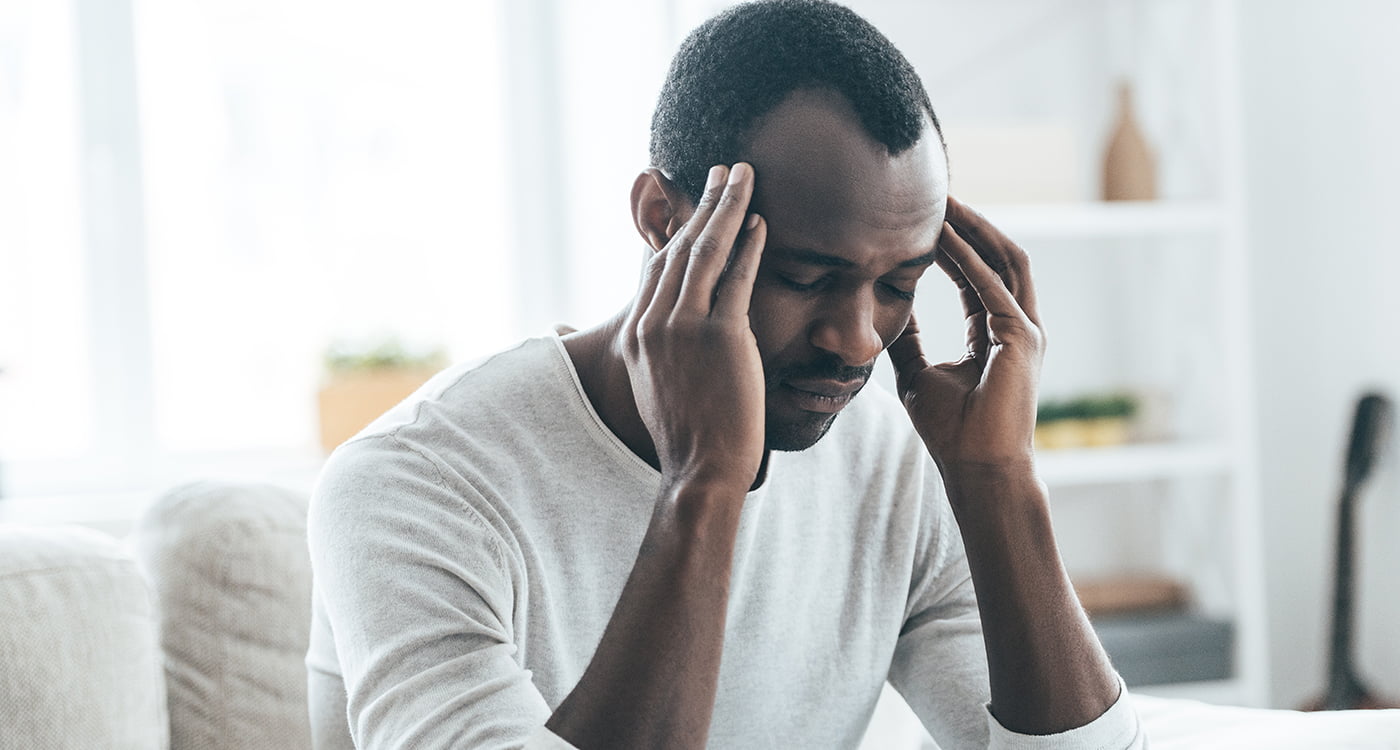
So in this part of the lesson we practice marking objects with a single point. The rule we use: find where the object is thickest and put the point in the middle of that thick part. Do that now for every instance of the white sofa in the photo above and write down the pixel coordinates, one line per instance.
(190, 635)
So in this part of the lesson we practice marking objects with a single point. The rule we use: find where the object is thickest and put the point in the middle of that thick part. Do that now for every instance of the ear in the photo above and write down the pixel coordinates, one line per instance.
(659, 207)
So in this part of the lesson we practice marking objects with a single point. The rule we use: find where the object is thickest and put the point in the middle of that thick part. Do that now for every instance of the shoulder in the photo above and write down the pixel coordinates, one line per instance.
(425, 456)
(482, 407)
(475, 390)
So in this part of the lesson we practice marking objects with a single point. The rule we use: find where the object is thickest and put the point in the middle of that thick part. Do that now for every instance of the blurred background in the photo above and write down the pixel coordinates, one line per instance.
(216, 213)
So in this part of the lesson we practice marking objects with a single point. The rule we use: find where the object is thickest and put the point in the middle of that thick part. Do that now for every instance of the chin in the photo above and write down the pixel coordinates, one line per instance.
(797, 434)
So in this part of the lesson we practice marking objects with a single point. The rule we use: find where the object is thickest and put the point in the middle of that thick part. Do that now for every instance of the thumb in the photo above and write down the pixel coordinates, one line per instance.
(907, 355)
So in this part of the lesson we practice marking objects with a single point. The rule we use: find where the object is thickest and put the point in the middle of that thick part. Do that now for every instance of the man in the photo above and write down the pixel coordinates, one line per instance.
(658, 533)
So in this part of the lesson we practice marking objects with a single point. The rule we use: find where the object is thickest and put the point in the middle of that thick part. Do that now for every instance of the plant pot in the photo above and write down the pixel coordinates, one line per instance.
(350, 401)
(1061, 434)
(1066, 434)
(1105, 431)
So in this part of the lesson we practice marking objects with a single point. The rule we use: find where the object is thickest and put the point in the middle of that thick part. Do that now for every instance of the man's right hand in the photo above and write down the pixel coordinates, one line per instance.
(691, 356)
(697, 380)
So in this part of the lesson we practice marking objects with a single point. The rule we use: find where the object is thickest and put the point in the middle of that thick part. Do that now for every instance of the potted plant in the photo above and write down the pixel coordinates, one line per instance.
(1088, 421)
(364, 381)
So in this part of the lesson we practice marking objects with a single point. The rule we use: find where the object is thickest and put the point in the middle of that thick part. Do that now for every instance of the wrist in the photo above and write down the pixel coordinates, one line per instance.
(989, 485)
(1007, 473)
(711, 478)
(701, 513)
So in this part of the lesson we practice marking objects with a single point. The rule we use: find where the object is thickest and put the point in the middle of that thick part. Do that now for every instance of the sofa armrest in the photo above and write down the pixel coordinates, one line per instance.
(80, 664)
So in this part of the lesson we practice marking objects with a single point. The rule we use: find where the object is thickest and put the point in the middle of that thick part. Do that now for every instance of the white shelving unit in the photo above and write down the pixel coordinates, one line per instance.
(1140, 462)
(1134, 294)
(1204, 482)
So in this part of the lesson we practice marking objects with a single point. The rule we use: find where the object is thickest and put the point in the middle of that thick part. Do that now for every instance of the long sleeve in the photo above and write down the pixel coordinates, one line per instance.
(940, 663)
(417, 589)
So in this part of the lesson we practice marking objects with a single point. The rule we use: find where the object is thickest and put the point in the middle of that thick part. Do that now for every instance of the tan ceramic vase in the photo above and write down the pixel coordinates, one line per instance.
(1129, 169)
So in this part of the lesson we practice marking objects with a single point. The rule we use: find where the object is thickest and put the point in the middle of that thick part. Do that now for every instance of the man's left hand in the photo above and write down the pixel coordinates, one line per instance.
(977, 414)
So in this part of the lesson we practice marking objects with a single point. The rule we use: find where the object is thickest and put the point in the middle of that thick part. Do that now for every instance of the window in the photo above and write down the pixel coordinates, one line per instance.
(313, 171)
(199, 197)
(46, 388)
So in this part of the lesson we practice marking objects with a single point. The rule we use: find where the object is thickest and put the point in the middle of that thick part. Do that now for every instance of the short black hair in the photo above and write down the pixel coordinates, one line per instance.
(739, 65)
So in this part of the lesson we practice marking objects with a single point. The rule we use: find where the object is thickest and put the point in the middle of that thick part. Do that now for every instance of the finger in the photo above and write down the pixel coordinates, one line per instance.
(679, 248)
(907, 355)
(975, 334)
(736, 285)
(711, 251)
(999, 252)
(990, 287)
(971, 303)
(651, 278)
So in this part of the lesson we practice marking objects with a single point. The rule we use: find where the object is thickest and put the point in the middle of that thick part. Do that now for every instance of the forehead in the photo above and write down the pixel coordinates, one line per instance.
(824, 183)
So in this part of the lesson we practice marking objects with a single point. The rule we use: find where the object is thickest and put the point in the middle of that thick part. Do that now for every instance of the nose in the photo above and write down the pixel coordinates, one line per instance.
(847, 329)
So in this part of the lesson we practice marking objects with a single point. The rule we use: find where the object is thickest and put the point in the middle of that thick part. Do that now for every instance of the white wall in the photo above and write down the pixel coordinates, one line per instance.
(1321, 89)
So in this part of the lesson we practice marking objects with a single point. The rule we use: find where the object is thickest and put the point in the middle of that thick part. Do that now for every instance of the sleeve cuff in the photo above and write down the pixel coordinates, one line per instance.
(543, 739)
(1117, 729)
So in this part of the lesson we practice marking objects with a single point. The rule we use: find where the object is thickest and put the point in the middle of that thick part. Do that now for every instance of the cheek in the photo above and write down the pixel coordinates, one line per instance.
(779, 323)
(891, 322)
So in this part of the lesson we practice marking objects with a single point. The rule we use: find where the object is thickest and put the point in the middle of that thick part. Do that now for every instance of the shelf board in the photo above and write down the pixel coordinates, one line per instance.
(1104, 220)
(1131, 463)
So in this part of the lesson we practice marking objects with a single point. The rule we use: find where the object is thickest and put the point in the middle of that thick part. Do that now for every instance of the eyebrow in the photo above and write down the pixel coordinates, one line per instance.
(814, 258)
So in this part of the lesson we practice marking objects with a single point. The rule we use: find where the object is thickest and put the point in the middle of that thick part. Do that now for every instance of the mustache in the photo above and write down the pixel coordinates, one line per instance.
(825, 368)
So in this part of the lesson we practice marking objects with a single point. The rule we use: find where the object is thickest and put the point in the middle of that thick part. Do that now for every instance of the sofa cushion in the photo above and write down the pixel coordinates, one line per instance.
(79, 652)
(232, 576)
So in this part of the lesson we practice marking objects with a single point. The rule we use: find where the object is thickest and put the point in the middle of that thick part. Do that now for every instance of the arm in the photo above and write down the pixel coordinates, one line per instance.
(419, 587)
(697, 381)
(1047, 671)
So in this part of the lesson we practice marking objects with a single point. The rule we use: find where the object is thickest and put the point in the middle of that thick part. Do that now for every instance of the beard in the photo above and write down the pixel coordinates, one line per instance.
(800, 431)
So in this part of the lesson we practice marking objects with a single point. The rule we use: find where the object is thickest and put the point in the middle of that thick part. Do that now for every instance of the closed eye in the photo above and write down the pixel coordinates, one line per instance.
(799, 286)
(907, 296)
(824, 281)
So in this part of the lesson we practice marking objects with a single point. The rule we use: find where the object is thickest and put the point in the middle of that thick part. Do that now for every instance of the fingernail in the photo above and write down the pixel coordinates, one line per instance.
(716, 174)
(752, 222)
(738, 172)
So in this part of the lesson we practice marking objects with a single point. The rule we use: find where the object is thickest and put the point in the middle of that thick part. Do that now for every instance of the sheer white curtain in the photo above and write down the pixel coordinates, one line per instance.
(267, 177)
(314, 170)
(46, 386)
(177, 253)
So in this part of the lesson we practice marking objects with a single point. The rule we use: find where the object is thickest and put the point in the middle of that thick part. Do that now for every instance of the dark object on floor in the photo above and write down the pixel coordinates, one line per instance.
(1369, 432)
(1162, 648)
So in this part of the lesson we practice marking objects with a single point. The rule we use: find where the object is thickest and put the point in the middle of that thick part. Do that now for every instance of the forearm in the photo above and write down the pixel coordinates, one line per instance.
(1048, 672)
(652, 681)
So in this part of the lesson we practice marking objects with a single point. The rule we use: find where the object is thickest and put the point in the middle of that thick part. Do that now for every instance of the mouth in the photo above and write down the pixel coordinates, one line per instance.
(822, 395)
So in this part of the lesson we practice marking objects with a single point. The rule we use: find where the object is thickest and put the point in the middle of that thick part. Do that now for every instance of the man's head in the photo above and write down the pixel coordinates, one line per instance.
(739, 65)
(850, 177)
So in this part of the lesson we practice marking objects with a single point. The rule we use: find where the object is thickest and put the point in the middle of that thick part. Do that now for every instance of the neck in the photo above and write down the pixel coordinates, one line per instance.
(597, 354)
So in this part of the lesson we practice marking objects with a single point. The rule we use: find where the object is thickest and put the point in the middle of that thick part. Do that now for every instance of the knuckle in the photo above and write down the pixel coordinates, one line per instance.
(1017, 257)
(705, 246)
(712, 195)
(649, 325)
(730, 199)
(656, 263)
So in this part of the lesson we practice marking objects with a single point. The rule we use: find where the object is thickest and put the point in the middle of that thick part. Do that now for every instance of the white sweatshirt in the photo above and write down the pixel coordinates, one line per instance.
(470, 545)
